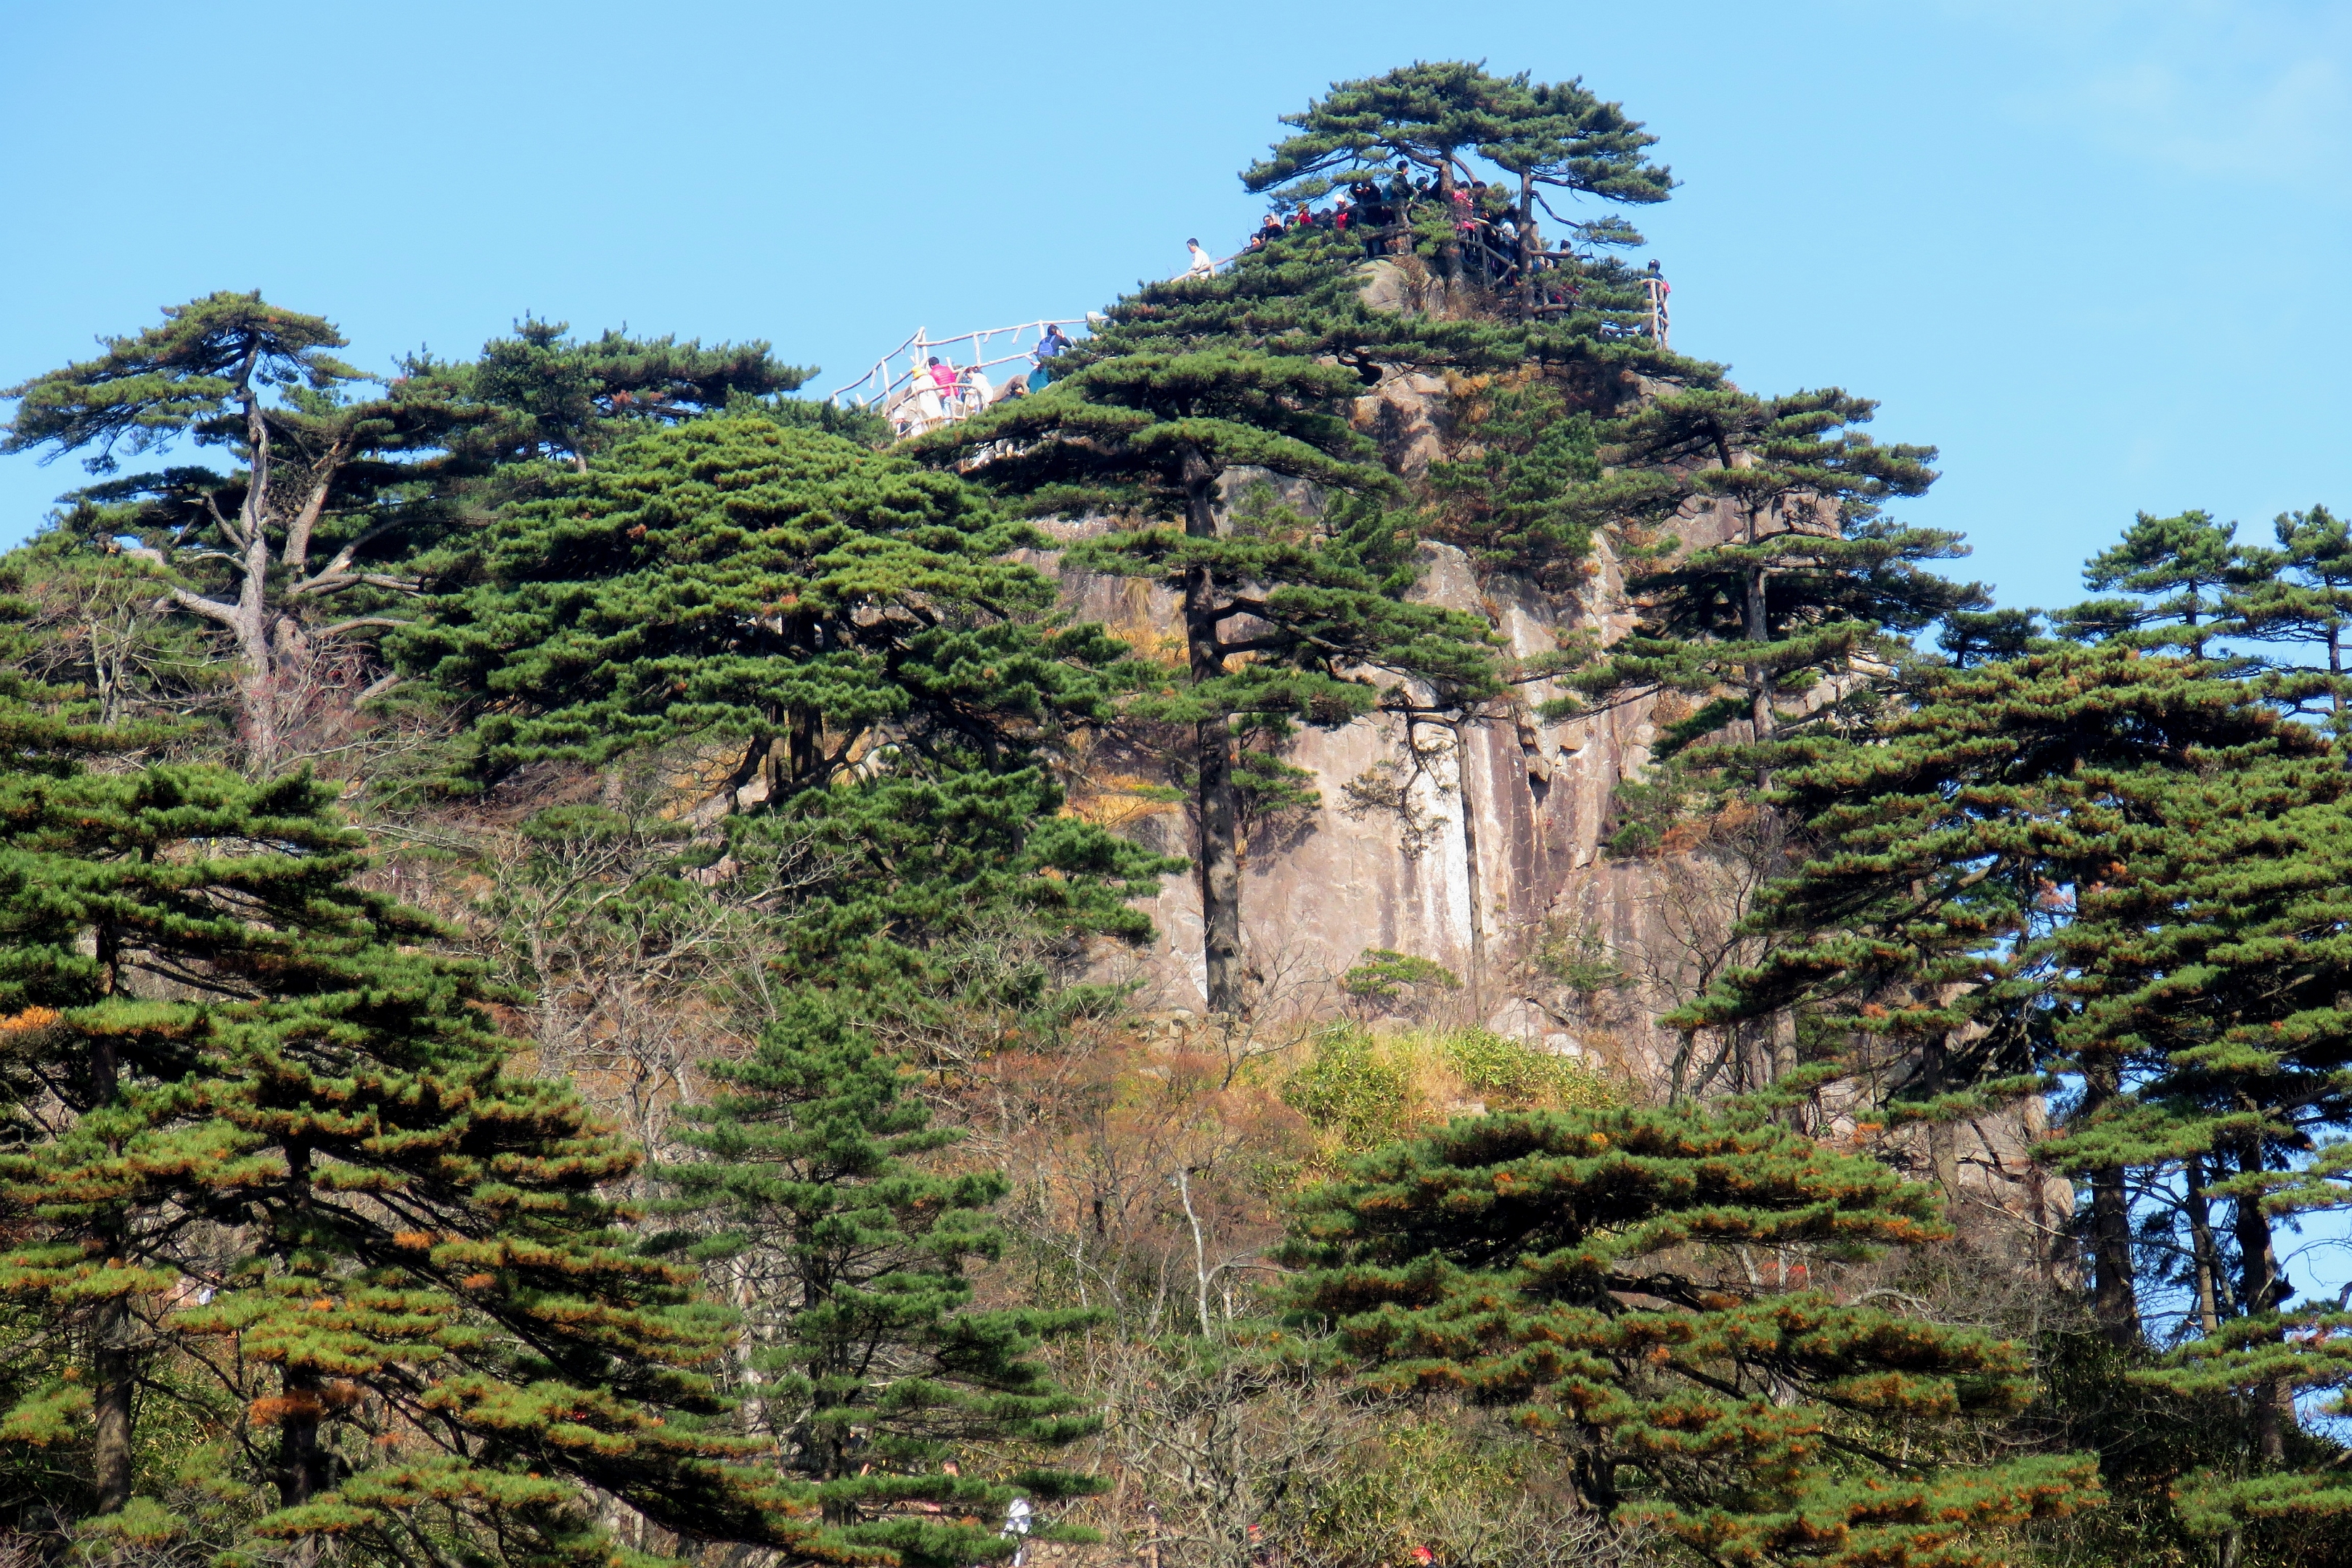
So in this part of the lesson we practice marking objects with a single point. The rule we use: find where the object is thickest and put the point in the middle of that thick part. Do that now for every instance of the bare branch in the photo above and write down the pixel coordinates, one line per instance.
(211, 610)
(322, 474)
(337, 572)
(236, 533)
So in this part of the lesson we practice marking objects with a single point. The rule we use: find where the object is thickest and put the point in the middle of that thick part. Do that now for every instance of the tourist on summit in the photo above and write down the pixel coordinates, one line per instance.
(1270, 230)
(923, 391)
(1051, 343)
(1202, 264)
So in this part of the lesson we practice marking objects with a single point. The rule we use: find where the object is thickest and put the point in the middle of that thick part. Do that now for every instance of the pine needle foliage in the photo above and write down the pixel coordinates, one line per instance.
(1810, 577)
(1434, 115)
(2214, 962)
(1513, 494)
(2177, 572)
(564, 399)
(2128, 867)
(890, 874)
(1571, 1270)
(816, 1188)
(1929, 918)
(290, 1177)
(2298, 594)
(786, 591)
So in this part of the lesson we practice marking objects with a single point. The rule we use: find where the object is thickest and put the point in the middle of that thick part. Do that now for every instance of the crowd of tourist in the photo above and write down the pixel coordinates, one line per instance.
(942, 393)
(1484, 225)
(1381, 214)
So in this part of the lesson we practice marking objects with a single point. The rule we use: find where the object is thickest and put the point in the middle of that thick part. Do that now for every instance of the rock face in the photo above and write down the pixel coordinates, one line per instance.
(1475, 848)
(1483, 850)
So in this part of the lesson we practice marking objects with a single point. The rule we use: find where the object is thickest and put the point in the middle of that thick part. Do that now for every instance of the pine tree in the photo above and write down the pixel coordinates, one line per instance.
(2211, 959)
(1518, 497)
(870, 1368)
(817, 605)
(309, 536)
(208, 371)
(1187, 382)
(848, 627)
(2128, 869)
(291, 1177)
(2178, 571)
(1563, 137)
(1573, 1272)
(556, 398)
(1432, 115)
(1925, 931)
(88, 620)
(1812, 581)
(891, 879)
(2298, 594)
(1424, 114)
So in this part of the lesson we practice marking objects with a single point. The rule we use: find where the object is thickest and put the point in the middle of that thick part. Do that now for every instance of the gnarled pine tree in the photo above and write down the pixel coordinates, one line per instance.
(1557, 1268)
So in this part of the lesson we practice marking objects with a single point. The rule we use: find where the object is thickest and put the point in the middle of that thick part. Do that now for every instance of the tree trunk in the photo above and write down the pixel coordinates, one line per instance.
(114, 1377)
(2201, 1248)
(1758, 626)
(301, 1462)
(1218, 797)
(1470, 868)
(113, 1366)
(2261, 1289)
(257, 685)
(1221, 876)
(1943, 1145)
(1527, 245)
(2114, 1301)
(1449, 253)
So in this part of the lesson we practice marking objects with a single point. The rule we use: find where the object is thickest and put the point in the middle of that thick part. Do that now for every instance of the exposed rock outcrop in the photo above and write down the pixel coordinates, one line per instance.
(1483, 850)
(1474, 847)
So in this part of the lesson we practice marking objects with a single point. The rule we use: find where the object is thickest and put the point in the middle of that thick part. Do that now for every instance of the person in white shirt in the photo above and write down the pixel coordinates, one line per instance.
(1202, 265)
(1018, 1518)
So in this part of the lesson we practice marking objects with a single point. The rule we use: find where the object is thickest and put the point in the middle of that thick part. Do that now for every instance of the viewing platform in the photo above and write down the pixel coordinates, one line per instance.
(928, 381)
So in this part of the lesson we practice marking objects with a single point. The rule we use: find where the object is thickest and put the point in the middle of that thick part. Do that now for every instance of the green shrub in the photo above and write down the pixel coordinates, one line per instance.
(1353, 1092)
(1580, 959)
(1381, 974)
(1516, 1073)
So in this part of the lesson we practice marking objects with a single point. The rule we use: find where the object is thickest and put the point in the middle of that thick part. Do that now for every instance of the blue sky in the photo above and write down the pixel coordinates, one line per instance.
(2094, 251)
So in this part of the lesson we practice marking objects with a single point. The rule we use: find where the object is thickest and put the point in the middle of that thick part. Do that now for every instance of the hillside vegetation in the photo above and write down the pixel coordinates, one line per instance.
(565, 1000)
